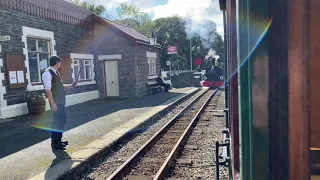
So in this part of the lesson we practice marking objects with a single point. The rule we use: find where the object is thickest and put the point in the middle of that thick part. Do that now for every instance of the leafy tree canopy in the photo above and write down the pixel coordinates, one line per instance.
(95, 9)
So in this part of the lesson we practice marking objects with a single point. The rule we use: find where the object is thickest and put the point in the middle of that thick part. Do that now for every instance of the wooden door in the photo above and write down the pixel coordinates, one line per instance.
(111, 78)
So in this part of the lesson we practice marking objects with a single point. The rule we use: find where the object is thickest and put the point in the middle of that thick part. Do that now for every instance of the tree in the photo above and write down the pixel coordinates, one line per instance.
(131, 16)
(95, 9)
(171, 31)
(126, 11)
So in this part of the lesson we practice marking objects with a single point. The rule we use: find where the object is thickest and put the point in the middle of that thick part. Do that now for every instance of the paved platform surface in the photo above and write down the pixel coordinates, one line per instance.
(25, 150)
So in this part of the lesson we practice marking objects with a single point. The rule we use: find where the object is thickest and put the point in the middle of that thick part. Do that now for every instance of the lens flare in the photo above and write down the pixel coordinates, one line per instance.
(262, 36)
(47, 129)
(43, 122)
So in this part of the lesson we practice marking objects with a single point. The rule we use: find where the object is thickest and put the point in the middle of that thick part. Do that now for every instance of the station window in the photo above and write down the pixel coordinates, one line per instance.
(86, 71)
(152, 66)
(38, 56)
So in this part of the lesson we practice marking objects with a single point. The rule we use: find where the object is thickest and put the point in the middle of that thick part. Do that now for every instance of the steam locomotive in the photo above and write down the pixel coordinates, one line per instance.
(213, 76)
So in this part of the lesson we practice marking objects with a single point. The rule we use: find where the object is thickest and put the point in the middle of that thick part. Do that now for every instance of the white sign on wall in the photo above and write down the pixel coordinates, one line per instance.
(13, 77)
(20, 77)
(4, 38)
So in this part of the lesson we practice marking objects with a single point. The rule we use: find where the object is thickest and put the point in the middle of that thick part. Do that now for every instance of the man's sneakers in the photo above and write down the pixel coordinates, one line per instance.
(65, 143)
(59, 145)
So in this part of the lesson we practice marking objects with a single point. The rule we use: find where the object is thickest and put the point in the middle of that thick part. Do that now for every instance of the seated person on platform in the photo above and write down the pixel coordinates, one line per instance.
(162, 83)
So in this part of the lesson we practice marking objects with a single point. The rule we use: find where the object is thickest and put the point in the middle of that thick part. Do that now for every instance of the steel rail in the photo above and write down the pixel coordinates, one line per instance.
(125, 167)
(175, 151)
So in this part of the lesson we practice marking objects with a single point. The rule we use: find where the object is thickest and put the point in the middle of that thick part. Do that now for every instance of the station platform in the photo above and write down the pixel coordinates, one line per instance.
(26, 153)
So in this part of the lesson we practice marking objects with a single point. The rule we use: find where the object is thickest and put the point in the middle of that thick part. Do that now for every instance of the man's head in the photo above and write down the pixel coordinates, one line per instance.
(55, 62)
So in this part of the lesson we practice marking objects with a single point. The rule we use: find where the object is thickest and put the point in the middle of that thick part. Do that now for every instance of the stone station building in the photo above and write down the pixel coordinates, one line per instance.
(116, 59)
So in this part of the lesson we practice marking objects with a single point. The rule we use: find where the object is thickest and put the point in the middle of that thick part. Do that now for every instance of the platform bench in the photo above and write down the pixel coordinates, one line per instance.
(153, 85)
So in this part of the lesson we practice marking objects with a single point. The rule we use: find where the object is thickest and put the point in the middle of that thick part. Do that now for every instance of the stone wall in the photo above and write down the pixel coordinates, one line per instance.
(133, 66)
(68, 39)
(184, 79)
(142, 67)
(107, 42)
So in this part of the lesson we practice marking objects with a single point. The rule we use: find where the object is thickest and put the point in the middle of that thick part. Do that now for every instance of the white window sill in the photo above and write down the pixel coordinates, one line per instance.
(40, 87)
(35, 87)
(86, 83)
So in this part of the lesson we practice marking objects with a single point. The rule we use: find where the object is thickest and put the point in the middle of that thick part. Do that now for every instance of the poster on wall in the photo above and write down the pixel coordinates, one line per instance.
(13, 77)
(20, 77)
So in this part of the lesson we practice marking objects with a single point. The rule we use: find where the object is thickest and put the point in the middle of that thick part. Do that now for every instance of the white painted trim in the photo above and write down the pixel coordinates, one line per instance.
(36, 88)
(35, 33)
(151, 54)
(3, 89)
(86, 83)
(109, 57)
(14, 110)
(158, 46)
(83, 56)
(22, 109)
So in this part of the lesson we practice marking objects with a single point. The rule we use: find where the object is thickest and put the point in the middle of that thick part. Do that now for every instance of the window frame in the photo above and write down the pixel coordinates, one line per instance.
(152, 64)
(37, 52)
(84, 69)
(28, 32)
(89, 57)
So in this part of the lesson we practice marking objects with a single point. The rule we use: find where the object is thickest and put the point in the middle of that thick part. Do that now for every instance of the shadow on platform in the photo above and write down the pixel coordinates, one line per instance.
(19, 133)
(51, 173)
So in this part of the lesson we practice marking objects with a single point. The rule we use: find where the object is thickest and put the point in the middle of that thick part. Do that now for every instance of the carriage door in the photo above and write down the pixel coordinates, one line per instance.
(111, 78)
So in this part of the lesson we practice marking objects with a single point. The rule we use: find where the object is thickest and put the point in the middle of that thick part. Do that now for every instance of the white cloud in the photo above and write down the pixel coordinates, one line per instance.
(198, 10)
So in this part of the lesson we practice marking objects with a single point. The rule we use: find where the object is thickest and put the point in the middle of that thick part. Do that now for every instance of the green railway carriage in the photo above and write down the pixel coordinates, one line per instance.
(273, 88)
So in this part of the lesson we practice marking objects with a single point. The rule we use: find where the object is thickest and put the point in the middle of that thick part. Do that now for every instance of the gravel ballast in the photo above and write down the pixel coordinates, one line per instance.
(203, 165)
(119, 154)
(161, 152)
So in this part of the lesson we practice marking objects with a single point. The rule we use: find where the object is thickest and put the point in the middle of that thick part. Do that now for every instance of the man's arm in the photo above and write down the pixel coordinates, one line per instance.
(51, 101)
(47, 78)
(70, 86)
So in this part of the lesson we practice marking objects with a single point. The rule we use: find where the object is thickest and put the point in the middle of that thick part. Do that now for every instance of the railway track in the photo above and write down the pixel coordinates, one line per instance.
(196, 159)
(154, 159)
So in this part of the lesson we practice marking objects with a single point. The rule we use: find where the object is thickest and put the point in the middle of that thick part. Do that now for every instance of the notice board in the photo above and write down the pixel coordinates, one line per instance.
(16, 71)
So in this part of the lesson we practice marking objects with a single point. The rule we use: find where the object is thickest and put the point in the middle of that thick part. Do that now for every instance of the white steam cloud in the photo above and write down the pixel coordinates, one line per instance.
(199, 21)
(212, 54)
(203, 29)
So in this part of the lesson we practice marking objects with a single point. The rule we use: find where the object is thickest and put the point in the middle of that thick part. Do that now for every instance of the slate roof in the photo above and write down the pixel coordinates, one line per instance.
(127, 30)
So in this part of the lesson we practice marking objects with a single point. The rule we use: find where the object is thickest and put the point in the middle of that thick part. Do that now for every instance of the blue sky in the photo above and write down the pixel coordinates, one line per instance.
(197, 10)
(159, 2)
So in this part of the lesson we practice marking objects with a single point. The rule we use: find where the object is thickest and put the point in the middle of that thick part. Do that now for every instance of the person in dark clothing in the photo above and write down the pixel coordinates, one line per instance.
(162, 83)
(55, 91)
